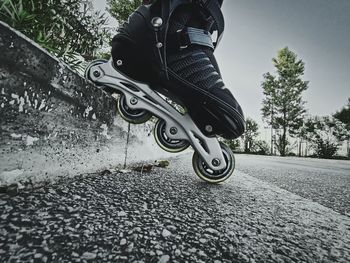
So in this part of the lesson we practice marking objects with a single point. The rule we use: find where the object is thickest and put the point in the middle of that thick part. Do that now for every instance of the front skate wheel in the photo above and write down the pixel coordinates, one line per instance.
(93, 63)
(209, 175)
(134, 116)
(164, 142)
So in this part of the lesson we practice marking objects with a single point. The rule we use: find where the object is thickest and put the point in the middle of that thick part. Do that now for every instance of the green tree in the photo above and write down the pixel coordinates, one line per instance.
(65, 28)
(343, 115)
(283, 107)
(121, 9)
(250, 134)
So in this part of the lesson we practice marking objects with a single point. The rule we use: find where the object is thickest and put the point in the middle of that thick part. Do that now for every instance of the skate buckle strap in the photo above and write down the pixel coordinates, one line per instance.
(193, 36)
(214, 8)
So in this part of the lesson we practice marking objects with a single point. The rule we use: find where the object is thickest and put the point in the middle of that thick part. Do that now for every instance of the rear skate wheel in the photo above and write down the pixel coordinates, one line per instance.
(207, 174)
(164, 142)
(134, 116)
(93, 63)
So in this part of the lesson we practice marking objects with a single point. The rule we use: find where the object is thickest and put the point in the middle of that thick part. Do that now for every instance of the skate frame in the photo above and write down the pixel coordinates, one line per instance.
(140, 96)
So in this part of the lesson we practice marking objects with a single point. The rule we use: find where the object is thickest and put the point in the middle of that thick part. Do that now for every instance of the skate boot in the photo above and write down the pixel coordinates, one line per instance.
(168, 44)
(165, 52)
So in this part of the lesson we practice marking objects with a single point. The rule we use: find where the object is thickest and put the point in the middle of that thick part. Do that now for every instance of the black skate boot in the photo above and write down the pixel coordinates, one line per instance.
(168, 44)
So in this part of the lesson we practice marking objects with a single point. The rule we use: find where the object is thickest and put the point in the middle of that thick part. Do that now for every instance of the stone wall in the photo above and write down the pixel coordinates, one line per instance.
(53, 123)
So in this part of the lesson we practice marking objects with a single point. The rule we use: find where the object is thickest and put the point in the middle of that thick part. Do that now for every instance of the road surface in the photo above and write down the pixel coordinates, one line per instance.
(169, 215)
(326, 182)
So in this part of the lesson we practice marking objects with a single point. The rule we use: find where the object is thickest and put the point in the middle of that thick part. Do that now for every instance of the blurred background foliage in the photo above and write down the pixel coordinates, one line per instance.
(121, 9)
(69, 29)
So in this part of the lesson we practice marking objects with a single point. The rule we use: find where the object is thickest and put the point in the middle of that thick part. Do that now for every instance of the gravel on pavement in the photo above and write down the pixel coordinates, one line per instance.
(168, 215)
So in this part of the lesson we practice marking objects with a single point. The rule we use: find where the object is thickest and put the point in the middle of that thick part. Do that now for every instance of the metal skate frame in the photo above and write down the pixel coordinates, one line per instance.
(140, 96)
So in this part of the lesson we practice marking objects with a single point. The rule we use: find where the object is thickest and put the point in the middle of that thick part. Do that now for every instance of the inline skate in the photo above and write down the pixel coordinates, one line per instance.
(163, 65)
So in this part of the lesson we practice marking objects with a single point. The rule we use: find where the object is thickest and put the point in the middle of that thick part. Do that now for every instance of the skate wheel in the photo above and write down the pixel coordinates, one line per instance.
(93, 63)
(134, 116)
(167, 144)
(207, 174)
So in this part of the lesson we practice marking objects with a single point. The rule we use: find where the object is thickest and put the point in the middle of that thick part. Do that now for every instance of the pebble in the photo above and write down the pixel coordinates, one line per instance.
(164, 259)
(121, 213)
(123, 242)
(166, 233)
(12, 190)
(88, 256)
(130, 247)
(212, 231)
(4, 216)
(38, 255)
(202, 240)
(202, 254)
(137, 229)
(171, 228)
(192, 250)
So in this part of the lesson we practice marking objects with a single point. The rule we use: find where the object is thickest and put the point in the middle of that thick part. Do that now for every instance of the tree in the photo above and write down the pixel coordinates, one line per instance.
(343, 115)
(121, 9)
(250, 134)
(301, 134)
(65, 28)
(283, 107)
(324, 133)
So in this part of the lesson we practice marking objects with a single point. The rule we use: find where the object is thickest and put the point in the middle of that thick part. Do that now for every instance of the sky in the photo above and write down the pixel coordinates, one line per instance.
(318, 31)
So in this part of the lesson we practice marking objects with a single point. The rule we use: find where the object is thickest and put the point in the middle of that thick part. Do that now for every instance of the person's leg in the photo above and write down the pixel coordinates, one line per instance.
(191, 71)
(197, 67)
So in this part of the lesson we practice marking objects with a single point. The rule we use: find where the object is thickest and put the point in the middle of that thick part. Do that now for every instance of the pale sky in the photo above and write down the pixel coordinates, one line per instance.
(318, 31)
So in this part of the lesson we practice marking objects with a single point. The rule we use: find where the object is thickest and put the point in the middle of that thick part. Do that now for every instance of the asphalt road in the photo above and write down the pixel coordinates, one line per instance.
(169, 215)
(326, 182)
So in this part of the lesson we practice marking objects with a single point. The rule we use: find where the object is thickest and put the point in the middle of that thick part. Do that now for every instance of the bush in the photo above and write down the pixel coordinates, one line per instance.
(67, 29)
(325, 149)
(261, 147)
(339, 157)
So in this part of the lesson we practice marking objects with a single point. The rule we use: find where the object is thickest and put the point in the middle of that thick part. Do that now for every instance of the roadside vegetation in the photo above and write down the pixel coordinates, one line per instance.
(70, 29)
(293, 131)
(121, 9)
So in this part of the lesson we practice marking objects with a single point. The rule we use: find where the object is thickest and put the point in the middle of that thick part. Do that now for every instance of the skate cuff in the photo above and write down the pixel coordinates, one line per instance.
(190, 36)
